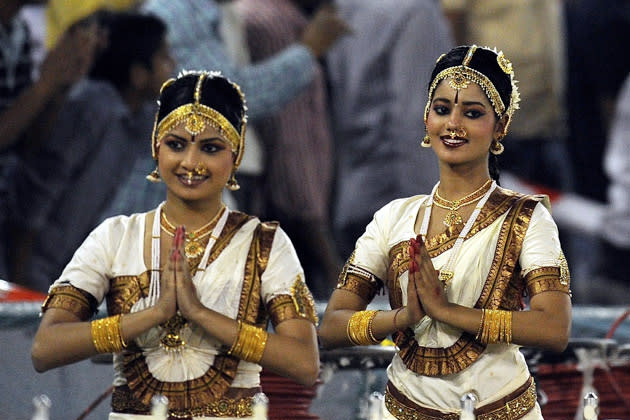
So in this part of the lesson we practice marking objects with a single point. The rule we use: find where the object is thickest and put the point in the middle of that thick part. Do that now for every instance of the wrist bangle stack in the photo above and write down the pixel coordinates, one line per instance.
(495, 326)
(359, 328)
(250, 343)
(107, 334)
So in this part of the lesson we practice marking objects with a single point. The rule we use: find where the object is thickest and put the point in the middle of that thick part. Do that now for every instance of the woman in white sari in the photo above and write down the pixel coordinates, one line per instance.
(456, 263)
(188, 309)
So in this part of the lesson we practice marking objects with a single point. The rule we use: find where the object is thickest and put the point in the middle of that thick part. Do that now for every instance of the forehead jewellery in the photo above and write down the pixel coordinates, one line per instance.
(460, 76)
(196, 117)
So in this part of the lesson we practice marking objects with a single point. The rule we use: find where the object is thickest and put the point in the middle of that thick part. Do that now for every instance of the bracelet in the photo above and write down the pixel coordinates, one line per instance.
(495, 327)
(250, 343)
(395, 315)
(359, 328)
(483, 316)
(107, 334)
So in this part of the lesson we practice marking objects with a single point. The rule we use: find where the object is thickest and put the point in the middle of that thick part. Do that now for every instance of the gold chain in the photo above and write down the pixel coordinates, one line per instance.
(464, 201)
(453, 217)
(194, 247)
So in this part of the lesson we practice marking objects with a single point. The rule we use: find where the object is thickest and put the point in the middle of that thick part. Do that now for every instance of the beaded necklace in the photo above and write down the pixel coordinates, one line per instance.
(446, 271)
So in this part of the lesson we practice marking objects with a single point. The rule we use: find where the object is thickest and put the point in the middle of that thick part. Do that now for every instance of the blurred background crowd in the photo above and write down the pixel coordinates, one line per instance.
(336, 92)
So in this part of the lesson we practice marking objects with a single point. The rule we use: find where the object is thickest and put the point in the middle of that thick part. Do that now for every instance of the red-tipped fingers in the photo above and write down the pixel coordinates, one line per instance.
(178, 240)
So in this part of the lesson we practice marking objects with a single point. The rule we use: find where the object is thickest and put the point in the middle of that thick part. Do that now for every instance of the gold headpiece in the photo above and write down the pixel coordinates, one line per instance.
(197, 116)
(461, 76)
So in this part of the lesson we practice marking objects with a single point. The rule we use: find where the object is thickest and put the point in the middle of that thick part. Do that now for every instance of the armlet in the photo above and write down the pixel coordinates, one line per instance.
(299, 304)
(71, 299)
(547, 279)
(359, 281)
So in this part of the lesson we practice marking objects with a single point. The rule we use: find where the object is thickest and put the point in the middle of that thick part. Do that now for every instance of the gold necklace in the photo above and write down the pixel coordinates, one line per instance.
(453, 217)
(194, 246)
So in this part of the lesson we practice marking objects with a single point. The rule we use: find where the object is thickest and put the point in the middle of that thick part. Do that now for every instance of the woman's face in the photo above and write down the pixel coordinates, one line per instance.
(468, 114)
(195, 167)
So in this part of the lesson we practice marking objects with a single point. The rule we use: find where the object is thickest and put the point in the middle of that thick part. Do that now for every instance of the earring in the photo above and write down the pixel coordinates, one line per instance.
(232, 183)
(154, 176)
(496, 148)
(426, 141)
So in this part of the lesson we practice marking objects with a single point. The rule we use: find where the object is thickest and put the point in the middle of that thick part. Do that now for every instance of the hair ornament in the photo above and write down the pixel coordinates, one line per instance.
(469, 55)
(460, 77)
(165, 85)
(196, 116)
(504, 63)
(195, 123)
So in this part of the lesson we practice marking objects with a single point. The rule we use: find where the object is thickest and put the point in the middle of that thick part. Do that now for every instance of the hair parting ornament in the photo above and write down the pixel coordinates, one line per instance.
(196, 117)
(460, 76)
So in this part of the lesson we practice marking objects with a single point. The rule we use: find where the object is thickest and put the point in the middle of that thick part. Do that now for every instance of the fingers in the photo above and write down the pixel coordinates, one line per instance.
(414, 251)
(178, 241)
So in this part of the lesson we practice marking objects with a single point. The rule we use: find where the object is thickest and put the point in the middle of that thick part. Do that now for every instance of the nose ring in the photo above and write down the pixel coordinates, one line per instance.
(200, 170)
(458, 132)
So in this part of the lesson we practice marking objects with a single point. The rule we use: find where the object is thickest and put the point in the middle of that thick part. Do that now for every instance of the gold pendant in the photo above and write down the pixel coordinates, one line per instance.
(193, 249)
(445, 277)
(173, 339)
(452, 218)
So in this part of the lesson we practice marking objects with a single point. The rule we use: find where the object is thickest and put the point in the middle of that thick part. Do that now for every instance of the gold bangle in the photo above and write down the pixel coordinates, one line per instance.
(507, 328)
(370, 331)
(106, 335)
(495, 326)
(250, 343)
(120, 334)
(480, 329)
(359, 328)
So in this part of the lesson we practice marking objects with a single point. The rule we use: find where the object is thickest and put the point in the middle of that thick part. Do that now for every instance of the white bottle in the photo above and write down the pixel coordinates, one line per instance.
(590, 408)
(159, 407)
(260, 406)
(375, 404)
(467, 404)
(42, 408)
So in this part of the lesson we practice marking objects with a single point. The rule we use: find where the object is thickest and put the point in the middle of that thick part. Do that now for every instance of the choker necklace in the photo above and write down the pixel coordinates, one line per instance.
(447, 272)
(453, 217)
(194, 245)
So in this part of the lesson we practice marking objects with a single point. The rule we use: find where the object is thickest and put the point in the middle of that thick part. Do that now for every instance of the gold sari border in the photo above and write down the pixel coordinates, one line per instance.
(513, 406)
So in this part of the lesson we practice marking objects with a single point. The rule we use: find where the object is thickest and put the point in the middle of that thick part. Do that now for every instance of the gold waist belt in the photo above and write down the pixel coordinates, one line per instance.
(123, 402)
(511, 407)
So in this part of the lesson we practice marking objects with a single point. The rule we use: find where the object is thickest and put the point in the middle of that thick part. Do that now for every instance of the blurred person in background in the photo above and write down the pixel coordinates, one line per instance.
(532, 34)
(298, 146)
(64, 185)
(29, 101)
(596, 72)
(374, 79)
(614, 253)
